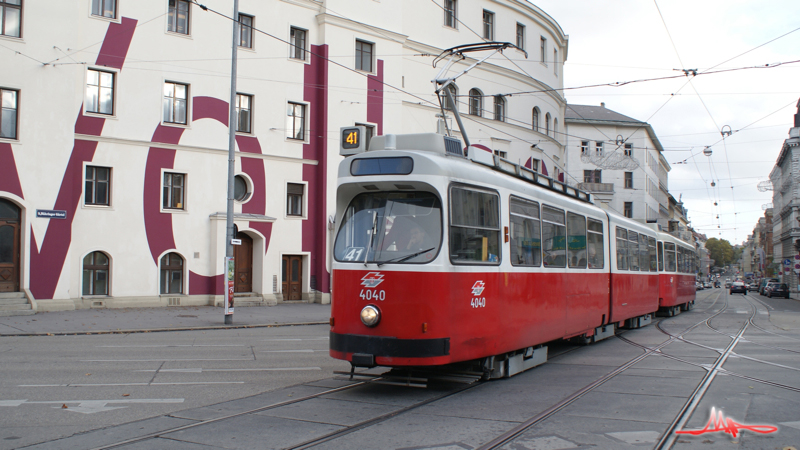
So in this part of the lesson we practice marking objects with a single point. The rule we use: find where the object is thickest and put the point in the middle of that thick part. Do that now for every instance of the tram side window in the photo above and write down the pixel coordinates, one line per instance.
(651, 249)
(526, 238)
(554, 237)
(669, 251)
(474, 226)
(576, 240)
(594, 244)
(644, 258)
(633, 250)
(622, 249)
(660, 256)
(681, 261)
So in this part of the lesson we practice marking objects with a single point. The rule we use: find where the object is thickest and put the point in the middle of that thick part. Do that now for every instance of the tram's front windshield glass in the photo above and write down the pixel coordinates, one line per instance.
(395, 227)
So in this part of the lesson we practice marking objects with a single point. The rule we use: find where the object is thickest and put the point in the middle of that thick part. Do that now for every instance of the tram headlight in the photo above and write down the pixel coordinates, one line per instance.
(370, 315)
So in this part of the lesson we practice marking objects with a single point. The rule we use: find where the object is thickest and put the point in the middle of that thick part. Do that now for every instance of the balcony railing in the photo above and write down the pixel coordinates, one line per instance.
(597, 187)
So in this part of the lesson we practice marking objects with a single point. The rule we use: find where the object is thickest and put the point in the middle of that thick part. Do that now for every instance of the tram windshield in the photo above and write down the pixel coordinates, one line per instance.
(390, 227)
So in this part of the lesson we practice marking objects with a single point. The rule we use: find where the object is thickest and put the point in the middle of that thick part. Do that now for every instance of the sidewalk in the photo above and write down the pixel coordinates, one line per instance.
(137, 320)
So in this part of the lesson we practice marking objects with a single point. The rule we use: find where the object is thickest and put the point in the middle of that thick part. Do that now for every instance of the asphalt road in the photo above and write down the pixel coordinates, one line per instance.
(148, 385)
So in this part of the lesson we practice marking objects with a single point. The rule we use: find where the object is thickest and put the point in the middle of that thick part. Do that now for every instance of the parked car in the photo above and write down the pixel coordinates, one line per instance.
(698, 286)
(727, 284)
(738, 286)
(777, 290)
(764, 283)
(706, 285)
(717, 284)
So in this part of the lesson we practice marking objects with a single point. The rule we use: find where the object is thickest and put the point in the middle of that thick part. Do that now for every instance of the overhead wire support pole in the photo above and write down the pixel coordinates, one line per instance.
(456, 54)
(231, 162)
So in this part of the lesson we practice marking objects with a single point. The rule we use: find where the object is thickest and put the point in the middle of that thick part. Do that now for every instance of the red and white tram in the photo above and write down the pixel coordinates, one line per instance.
(441, 258)
(677, 268)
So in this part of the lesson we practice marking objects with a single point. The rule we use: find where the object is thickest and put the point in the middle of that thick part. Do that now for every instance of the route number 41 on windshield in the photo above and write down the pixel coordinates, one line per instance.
(353, 254)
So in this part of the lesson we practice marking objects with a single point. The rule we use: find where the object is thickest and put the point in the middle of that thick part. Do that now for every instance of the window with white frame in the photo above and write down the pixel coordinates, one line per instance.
(244, 105)
(171, 274)
(364, 52)
(628, 210)
(9, 113)
(453, 89)
(520, 36)
(296, 121)
(584, 147)
(555, 62)
(488, 25)
(99, 92)
(501, 154)
(628, 180)
(598, 148)
(104, 8)
(628, 149)
(547, 124)
(294, 199)
(535, 119)
(499, 108)
(97, 186)
(178, 16)
(174, 191)
(475, 102)
(297, 43)
(175, 102)
(11, 18)
(246, 24)
(95, 274)
(543, 49)
(450, 13)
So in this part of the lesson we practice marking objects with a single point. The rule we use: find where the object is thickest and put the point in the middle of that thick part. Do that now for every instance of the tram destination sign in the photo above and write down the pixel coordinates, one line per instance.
(51, 214)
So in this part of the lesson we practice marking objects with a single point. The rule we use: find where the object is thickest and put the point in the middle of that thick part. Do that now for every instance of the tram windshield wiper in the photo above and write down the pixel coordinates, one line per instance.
(403, 258)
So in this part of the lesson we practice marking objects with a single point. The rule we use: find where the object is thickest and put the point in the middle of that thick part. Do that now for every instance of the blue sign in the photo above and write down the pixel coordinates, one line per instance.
(787, 262)
(51, 214)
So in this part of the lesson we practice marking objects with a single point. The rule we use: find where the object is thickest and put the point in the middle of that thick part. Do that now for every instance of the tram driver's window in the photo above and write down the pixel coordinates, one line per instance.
(526, 238)
(474, 226)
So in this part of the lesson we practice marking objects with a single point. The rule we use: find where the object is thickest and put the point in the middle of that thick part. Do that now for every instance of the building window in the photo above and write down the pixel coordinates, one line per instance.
(171, 274)
(294, 199)
(99, 92)
(297, 41)
(584, 147)
(445, 101)
(499, 108)
(521, 36)
(178, 16)
(475, 102)
(296, 121)
(555, 128)
(103, 8)
(174, 190)
(95, 274)
(628, 180)
(241, 188)
(501, 154)
(592, 176)
(543, 50)
(369, 132)
(628, 149)
(8, 113)
(535, 119)
(555, 62)
(244, 105)
(450, 13)
(628, 210)
(598, 148)
(97, 186)
(175, 96)
(488, 25)
(547, 124)
(535, 164)
(364, 52)
(10, 17)
(245, 31)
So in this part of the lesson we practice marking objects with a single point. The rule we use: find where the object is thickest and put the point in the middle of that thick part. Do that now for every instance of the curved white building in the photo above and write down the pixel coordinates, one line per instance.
(113, 134)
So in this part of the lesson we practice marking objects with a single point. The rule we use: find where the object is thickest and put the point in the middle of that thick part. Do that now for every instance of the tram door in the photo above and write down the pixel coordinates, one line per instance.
(9, 246)
(243, 262)
(292, 277)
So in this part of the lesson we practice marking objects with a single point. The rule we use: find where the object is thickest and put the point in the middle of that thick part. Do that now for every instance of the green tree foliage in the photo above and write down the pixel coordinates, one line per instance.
(721, 251)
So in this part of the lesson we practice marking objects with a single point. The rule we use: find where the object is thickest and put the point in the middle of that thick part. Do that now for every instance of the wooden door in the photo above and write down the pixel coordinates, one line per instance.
(243, 262)
(292, 277)
(9, 246)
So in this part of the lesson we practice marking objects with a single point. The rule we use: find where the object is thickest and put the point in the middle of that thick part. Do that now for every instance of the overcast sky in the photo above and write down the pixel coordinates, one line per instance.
(628, 40)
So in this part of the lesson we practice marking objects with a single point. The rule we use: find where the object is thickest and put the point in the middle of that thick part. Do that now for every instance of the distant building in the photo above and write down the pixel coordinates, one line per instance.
(786, 202)
(619, 160)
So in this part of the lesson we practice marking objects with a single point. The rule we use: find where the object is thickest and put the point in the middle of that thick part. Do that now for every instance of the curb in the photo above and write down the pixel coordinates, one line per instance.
(161, 330)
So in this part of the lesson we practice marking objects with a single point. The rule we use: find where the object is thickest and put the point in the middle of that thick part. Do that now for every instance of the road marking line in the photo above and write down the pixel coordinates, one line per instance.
(162, 359)
(291, 351)
(91, 406)
(167, 345)
(125, 384)
(255, 369)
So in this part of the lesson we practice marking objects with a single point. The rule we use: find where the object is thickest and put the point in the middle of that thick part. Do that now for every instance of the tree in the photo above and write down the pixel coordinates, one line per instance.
(721, 251)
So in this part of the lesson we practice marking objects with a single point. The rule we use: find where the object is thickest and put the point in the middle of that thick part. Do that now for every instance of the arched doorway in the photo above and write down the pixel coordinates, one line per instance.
(243, 262)
(9, 246)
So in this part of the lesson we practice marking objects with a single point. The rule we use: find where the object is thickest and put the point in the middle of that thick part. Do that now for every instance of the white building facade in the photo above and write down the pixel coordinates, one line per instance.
(785, 179)
(619, 160)
(114, 133)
